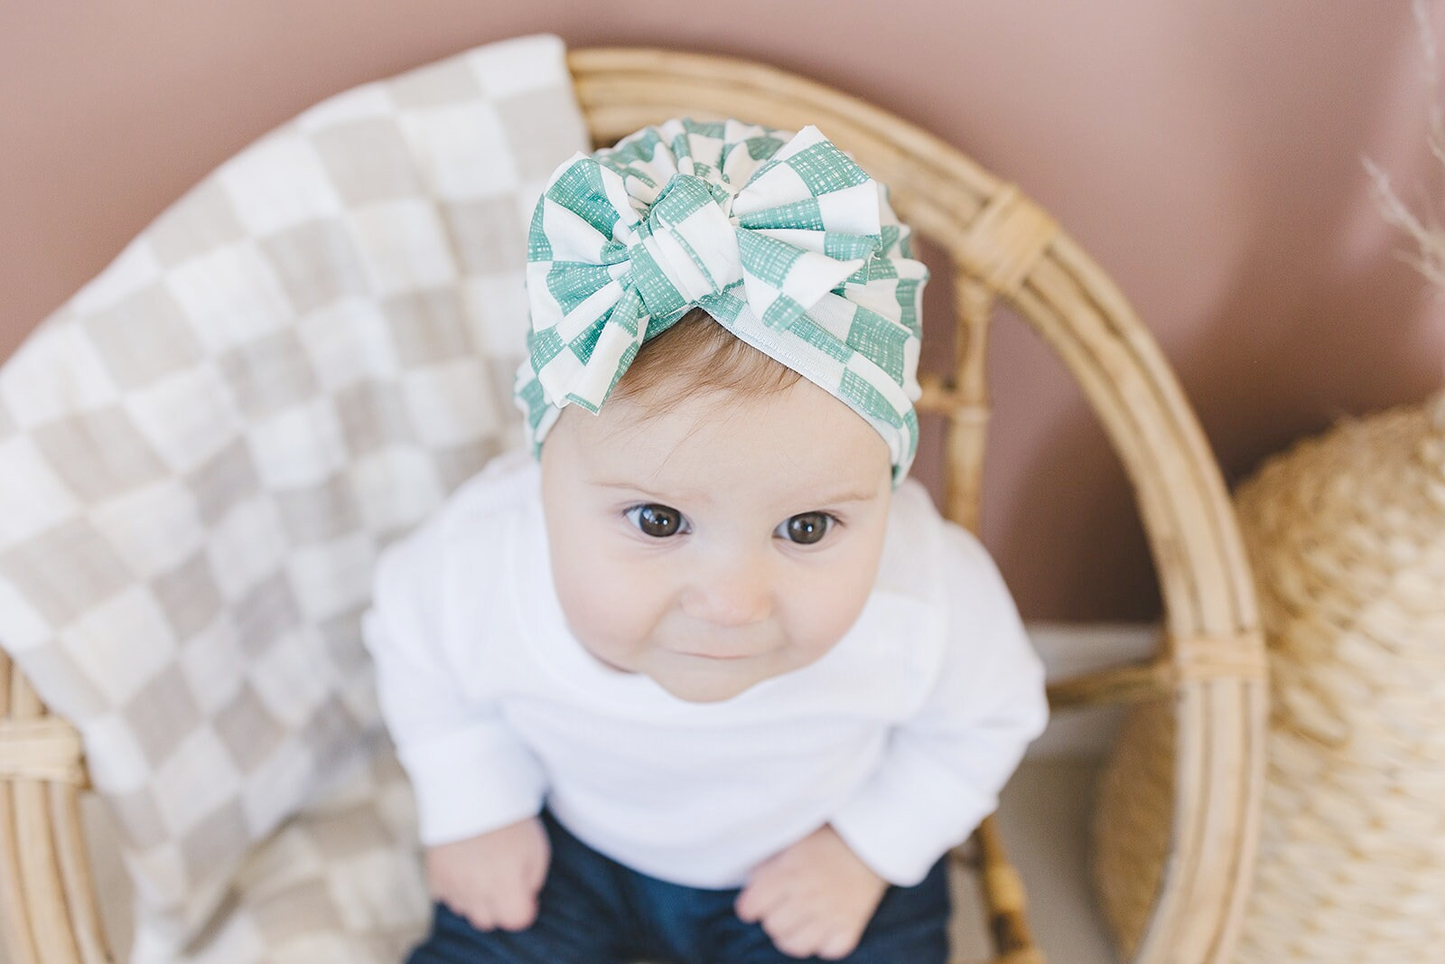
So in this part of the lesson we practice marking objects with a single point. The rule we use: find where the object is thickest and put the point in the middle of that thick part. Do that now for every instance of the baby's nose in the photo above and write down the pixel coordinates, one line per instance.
(733, 595)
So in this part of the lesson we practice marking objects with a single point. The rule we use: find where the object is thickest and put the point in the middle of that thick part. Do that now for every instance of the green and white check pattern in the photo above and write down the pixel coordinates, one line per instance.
(780, 237)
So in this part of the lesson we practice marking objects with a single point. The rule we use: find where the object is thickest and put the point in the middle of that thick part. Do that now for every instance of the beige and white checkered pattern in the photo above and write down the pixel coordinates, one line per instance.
(201, 455)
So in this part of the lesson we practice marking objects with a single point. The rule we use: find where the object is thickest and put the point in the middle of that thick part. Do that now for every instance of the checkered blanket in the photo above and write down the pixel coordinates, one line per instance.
(201, 455)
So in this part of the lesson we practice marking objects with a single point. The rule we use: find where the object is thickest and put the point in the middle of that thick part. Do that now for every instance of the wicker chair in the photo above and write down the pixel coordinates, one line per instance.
(1203, 692)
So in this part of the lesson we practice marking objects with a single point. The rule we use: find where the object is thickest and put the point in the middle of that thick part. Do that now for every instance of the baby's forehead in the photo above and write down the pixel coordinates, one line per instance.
(795, 440)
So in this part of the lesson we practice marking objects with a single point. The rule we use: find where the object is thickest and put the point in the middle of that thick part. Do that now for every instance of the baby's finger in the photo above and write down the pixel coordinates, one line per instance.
(759, 899)
(838, 945)
(802, 940)
(535, 873)
(787, 920)
(478, 914)
(514, 910)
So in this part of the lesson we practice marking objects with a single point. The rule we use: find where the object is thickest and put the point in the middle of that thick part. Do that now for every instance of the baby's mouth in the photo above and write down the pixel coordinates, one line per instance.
(728, 645)
(721, 651)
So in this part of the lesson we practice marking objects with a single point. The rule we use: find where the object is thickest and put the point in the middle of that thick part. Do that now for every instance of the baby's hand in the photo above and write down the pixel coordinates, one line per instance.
(492, 880)
(813, 898)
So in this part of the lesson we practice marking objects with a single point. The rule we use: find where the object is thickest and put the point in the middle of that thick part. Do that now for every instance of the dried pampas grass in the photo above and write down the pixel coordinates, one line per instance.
(1427, 231)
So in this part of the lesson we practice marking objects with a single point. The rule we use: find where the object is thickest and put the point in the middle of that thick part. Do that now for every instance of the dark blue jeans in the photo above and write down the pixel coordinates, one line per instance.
(593, 910)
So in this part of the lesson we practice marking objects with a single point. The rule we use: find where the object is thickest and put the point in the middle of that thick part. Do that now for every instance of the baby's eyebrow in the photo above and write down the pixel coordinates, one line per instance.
(623, 485)
(820, 500)
(618, 484)
(843, 498)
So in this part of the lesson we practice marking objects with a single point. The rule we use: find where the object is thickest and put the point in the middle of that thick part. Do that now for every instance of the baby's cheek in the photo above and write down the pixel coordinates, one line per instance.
(828, 617)
(583, 595)
(832, 607)
(596, 605)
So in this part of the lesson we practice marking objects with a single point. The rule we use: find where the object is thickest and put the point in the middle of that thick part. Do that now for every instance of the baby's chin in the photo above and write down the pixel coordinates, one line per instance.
(703, 696)
(697, 680)
(707, 685)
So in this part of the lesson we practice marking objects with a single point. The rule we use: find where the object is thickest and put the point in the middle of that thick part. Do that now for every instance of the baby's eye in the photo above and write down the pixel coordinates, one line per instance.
(658, 521)
(805, 528)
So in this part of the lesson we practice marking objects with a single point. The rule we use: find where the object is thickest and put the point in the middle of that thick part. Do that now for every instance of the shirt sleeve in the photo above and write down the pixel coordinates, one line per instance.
(469, 771)
(944, 768)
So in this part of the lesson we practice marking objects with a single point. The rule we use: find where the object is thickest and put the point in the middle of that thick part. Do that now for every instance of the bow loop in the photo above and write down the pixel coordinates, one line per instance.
(784, 280)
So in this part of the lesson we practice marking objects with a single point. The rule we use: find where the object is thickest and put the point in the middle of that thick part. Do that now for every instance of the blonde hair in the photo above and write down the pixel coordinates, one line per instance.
(698, 356)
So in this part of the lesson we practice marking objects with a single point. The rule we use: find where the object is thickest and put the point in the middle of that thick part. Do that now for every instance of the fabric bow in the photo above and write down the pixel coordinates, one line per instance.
(780, 237)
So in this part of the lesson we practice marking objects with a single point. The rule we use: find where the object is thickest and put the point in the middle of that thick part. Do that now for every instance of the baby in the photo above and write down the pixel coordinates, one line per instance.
(709, 681)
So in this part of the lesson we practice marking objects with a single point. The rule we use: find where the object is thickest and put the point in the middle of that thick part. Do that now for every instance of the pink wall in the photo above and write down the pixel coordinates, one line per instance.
(1208, 153)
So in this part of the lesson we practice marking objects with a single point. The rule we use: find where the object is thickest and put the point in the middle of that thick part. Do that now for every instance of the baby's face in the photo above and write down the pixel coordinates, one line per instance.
(718, 543)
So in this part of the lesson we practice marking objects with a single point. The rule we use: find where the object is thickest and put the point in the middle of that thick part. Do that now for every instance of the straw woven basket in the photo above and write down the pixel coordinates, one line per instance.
(1346, 534)
(1208, 671)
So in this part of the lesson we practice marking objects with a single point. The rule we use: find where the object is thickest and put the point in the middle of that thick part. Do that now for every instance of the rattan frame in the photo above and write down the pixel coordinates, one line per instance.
(1209, 669)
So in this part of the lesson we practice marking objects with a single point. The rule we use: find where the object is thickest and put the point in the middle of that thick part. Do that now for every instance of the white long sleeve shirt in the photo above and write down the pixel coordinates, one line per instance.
(900, 737)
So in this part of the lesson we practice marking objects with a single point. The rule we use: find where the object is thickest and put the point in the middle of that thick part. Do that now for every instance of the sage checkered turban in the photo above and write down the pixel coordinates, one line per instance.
(779, 236)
